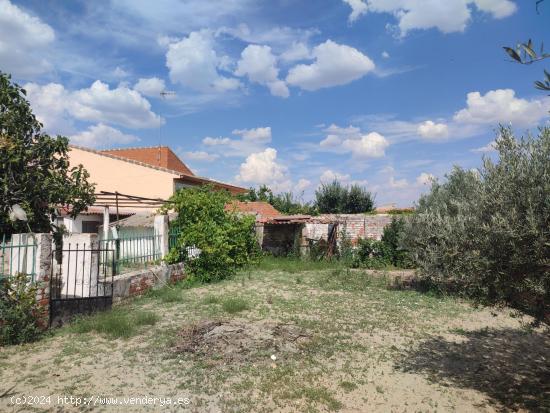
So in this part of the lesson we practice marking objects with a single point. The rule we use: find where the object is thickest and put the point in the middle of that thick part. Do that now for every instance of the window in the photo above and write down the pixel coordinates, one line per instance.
(90, 227)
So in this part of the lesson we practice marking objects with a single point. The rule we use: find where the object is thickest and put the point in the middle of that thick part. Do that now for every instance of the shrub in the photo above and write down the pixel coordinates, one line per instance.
(19, 311)
(489, 230)
(391, 237)
(226, 240)
(371, 253)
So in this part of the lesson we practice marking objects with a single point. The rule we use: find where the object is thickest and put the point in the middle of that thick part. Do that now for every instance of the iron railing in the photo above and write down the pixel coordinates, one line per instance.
(18, 255)
(131, 252)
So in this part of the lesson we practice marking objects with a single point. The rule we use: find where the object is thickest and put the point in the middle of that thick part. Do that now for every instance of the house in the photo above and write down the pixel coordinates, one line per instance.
(147, 172)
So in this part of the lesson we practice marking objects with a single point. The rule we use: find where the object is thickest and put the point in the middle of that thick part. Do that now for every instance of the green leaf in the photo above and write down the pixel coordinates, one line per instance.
(513, 54)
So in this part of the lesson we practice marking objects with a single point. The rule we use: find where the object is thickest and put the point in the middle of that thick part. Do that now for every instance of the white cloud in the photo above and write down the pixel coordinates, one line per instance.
(150, 86)
(329, 175)
(334, 65)
(260, 66)
(302, 185)
(371, 145)
(120, 73)
(280, 38)
(490, 147)
(121, 106)
(351, 139)
(193, 62)
(101, 135)
(398, 183)
(297, 51)
(385, 55)
(424, 179)
(200, 156)
(57, 107)
(262, 135)
(331, 141)
(447, 16)
(498, 8)
(358, 8)
(432, 130)
(263, 168)
(502, 106)
(23, 41)
(251, 141)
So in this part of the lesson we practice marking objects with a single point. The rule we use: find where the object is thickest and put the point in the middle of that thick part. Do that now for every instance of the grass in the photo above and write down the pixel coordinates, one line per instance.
(371, 348)
(118, 323)
(235, 305)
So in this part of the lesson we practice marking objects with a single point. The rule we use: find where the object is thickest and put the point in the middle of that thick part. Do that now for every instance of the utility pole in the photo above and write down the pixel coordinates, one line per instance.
(163, 95)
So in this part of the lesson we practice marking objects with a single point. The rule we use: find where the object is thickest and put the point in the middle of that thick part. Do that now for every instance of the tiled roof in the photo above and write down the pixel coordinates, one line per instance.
(263, 209)
(161, 156)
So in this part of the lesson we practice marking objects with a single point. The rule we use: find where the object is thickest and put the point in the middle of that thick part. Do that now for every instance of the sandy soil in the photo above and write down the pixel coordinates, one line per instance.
(339, 341)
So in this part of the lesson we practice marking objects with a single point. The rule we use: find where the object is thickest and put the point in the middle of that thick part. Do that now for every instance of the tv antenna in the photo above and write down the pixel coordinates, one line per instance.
(163, 95)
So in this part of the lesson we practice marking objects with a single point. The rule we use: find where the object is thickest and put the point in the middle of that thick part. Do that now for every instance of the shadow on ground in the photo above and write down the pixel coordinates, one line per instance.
(511, 366)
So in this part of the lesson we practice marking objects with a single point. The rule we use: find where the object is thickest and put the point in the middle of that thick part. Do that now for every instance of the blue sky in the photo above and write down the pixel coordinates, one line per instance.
(384, 93)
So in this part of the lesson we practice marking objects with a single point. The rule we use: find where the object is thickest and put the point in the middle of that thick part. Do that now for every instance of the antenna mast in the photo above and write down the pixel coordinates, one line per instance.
(163, 95)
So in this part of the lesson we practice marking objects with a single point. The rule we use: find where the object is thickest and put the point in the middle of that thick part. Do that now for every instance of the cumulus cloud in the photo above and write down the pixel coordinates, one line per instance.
(490, 147)
(447, 16)
(358, 8)
(296, 51)
(200, 156)
(193, 62)
(502, 106)
(263, 168)
(150, 86)
(101, 135)
(262, 135)
(250, 141)
(260, 66)
(57, 107)
(329, 175)
(385, 55)
(424, 179)
(302, 185)
(334, 65)
(432, 130)
(398, 183)
(23, 40)
(350, 139)
(371, 145)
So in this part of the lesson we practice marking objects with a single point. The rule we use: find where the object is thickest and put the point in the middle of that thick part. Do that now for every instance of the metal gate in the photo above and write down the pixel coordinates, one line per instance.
(81, 282)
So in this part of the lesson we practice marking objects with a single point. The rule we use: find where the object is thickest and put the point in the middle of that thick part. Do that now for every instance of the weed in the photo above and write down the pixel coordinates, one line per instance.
(348, 386)
(166, 294)
(117, 323)
(235, 305)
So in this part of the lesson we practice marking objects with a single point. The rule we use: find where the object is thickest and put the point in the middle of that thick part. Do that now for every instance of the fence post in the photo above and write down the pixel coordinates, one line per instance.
(43, 266)
(162, 234)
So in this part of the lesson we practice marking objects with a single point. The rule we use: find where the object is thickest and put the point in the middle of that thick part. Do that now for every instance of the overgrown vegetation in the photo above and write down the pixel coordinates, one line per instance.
(19, 312)
(335, 198)
(35, 174)
(487, 232)
(225, 239)
(120, 322)
(285, 202)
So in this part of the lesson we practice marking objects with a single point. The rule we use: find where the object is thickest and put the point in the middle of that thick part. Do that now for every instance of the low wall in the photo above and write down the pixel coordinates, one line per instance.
(138, 282)
(356, 226)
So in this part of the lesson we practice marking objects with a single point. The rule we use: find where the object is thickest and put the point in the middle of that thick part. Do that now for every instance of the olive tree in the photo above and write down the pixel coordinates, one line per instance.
(487, 232)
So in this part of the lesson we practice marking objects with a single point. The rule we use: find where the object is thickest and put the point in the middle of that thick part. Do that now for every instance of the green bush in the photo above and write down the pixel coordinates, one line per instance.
(398, 256)
(488, 231)
(19, 311)
(226, 239)
(371, 253)
(335, 198)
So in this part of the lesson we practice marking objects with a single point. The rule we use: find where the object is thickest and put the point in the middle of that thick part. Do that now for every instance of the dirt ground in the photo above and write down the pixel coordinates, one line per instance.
(290, 341)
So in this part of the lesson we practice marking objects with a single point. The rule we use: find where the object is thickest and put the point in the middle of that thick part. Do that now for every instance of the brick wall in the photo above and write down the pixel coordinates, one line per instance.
(356, 226)
(138, 282)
